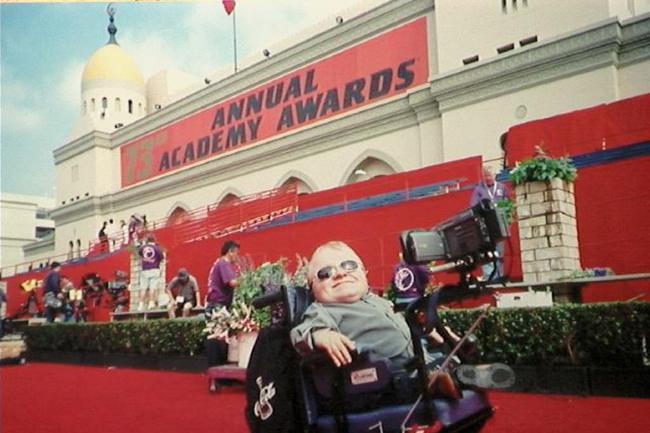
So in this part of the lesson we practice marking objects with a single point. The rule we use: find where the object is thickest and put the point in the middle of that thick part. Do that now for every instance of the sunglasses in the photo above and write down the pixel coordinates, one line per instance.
(328, 271)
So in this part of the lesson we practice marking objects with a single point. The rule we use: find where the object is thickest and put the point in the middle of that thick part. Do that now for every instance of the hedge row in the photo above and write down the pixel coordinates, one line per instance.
(607, 334)
(611, 334)
(156, 337)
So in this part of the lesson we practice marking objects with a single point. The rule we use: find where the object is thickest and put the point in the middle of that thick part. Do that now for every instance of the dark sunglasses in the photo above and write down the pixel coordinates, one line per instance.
(328, 271)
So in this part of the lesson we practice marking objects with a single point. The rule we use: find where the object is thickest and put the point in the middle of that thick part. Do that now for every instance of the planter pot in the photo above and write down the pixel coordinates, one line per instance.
(233, 349)
(246, 343)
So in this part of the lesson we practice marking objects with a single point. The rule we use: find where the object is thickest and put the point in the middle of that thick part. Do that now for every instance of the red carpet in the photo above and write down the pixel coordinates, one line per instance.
(53, 398)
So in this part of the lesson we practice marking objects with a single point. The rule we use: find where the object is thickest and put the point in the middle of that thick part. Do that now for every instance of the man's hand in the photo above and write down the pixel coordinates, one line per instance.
(337, 346)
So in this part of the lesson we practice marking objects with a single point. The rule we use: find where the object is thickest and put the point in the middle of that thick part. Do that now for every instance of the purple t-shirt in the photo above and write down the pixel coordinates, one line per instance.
(494, 193)
(151, 255)
(220, 292)
(409, 281)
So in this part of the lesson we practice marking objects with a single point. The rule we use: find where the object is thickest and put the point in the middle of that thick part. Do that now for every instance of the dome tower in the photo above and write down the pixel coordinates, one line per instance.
(113, 92)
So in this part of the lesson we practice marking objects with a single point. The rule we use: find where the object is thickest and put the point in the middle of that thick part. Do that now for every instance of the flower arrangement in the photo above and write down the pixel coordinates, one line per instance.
(543, 168)
(253, 282)
(224, 324)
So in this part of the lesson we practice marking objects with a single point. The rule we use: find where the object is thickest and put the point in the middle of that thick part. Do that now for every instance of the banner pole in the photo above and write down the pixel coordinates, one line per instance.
(234, 36)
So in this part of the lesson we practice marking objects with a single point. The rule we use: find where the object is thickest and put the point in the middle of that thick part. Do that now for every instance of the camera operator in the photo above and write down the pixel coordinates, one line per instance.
(52, 296)
(183, 292)
(409, 282)
(118, 289)
(489, 188)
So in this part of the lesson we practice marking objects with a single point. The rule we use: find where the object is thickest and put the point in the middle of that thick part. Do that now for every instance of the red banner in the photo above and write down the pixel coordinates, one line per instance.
(379, 68)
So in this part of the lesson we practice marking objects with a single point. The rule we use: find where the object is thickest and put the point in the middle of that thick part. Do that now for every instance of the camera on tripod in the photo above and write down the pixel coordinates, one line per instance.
(464, 241)
(119, 284)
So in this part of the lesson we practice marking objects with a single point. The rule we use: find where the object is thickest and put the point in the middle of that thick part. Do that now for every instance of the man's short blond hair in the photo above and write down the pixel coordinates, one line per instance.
(332, 245)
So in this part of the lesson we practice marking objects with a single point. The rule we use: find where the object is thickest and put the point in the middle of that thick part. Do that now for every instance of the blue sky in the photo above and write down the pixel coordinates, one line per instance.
(44, 48)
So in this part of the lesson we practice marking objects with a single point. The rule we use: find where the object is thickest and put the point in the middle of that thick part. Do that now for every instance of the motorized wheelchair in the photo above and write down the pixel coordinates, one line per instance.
(360, 397)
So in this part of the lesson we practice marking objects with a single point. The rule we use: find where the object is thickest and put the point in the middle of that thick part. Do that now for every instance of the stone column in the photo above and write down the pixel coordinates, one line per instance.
(547, 230)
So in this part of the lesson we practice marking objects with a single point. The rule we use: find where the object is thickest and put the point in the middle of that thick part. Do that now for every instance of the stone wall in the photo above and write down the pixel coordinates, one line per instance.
(547, 230)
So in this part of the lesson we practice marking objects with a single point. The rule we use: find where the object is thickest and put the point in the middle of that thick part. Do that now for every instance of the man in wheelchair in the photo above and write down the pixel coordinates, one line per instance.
(350, 324)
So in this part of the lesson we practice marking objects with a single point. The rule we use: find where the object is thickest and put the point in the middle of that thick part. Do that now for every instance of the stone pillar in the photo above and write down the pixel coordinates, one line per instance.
(547, 230)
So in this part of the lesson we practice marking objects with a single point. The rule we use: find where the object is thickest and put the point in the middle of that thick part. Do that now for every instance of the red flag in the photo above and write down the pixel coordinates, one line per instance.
(229, 5)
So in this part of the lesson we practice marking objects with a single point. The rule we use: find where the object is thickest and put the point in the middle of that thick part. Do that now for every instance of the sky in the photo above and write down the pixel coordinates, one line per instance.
(44, 47)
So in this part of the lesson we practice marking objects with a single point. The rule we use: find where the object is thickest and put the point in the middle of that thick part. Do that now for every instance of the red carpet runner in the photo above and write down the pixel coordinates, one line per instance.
(58, 398)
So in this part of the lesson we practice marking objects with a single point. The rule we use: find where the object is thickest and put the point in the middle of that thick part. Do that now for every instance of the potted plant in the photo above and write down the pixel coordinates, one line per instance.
(543, 168)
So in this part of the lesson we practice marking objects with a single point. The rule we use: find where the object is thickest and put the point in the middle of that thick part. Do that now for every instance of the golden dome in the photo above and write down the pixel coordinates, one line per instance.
(111, 62)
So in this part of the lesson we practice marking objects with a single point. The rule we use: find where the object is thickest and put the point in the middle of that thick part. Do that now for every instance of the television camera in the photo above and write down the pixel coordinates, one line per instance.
(117, 289)
(464, 242)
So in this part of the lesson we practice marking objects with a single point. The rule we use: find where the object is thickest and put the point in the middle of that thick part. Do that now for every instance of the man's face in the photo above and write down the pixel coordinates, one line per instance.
(342, 286)
(488, 176)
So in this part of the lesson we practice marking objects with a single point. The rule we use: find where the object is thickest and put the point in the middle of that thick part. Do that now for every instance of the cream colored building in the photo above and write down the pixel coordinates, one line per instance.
(26, 229)
(491, 64)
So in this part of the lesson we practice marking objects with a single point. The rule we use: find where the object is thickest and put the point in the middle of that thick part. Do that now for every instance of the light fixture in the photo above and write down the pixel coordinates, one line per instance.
(206, 81)
(119, 125)
(339, 20)
(157, 106)
(266, 53)
(360, 172)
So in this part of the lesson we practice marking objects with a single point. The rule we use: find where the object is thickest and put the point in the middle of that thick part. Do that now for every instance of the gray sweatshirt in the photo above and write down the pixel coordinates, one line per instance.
(370, 322)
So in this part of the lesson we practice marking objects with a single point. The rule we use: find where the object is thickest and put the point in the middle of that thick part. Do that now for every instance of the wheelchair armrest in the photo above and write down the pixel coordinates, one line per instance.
(359, 377)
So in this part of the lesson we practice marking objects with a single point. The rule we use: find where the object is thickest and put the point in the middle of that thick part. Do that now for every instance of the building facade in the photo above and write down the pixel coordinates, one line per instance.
(26, 229)
(403, 85)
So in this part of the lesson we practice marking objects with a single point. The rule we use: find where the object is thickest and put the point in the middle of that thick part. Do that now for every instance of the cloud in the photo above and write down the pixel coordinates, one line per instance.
(16, 118)
(17, 98)
(68, 91)
(150, 52)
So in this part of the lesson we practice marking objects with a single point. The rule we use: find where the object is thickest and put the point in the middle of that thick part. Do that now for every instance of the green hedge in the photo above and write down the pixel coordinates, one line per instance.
(569, 334)
(164, 337)
(608, 334)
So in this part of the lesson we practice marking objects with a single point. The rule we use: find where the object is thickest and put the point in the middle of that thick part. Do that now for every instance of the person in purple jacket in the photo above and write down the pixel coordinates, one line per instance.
(151, 255)
(489, 188)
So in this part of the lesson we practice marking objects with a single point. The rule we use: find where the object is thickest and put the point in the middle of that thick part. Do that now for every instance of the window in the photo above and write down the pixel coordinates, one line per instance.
(513, 5)
(118, 105)
(505, 48)
(41, 232)
(85, 107)
(130, 104)
(104, 103)
(468, 60)
(92, 105)
(74, 173)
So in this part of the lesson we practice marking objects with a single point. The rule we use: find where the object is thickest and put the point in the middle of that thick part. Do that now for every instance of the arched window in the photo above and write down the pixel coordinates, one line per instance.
(85, 107)
(139, 108)
(92, 105)
(178, 216)
(369, 168)
(228, 200)
(130, 103)
(301, 185)
(118, 105)
(104, 103)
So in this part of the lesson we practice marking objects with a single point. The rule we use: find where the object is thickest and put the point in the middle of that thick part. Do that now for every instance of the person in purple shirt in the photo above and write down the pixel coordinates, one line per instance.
(222, 282)
(490, 189)
(223, 277)
(151, 255)
(409, 283)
